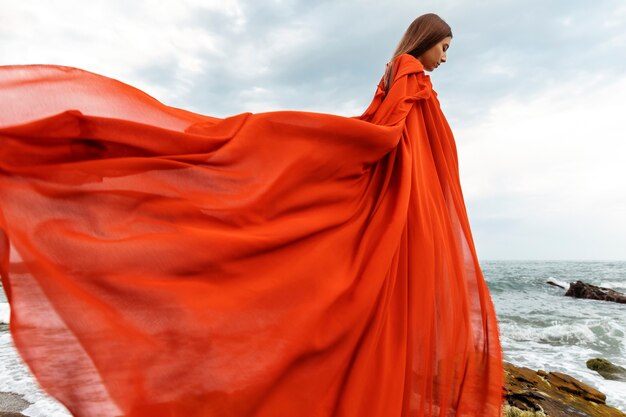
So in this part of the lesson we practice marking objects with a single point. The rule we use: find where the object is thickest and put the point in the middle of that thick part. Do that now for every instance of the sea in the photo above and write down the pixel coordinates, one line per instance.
(540, 328)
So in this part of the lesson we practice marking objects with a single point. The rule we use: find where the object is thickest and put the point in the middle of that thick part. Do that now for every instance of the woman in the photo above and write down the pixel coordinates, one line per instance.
(427, 38)
(164, 263)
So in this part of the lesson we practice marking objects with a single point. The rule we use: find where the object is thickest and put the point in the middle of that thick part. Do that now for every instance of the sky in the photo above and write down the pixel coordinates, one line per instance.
(534, 90)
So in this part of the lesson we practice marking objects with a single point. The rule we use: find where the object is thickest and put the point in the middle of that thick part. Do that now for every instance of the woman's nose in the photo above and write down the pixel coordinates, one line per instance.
(443, 57)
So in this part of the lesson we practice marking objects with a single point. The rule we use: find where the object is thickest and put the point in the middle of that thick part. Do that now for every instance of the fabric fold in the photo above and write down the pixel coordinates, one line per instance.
(160, 262)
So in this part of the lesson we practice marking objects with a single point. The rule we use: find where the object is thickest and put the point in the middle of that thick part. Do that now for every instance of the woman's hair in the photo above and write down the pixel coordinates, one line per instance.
(421, 35)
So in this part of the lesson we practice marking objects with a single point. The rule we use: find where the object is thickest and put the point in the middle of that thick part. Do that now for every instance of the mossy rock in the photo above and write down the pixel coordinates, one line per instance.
(607, 369)
(509, 411)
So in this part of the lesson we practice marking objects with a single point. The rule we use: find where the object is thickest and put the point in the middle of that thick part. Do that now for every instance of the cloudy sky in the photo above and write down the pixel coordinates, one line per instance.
(535, 90)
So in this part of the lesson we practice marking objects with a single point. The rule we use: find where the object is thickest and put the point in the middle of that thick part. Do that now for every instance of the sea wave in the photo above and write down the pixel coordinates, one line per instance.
(5, 313)
(614, 285)
(566, 333)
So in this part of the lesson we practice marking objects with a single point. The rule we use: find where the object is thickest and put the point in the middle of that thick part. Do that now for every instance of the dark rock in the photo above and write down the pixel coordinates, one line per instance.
(553, 393)
(581, 289)
(10, 414)
(607, 369)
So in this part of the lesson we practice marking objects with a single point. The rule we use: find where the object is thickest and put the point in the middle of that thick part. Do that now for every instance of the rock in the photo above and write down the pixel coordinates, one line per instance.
(553, 393)
(581, 289)
(12, 403)
(10, 414)
(509, 411)
(566, 383)
(607, 369)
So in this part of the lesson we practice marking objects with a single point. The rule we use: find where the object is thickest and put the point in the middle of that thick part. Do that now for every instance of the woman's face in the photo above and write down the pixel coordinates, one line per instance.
(432, 58)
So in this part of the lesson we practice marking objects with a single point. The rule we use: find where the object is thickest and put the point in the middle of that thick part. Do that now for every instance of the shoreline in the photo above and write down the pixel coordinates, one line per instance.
(525, 390)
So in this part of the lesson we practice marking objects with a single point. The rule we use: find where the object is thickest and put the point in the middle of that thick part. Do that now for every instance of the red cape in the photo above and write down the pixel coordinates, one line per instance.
(160, 262)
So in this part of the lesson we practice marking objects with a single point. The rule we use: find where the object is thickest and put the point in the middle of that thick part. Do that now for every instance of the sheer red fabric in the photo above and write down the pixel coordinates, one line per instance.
(160, 262)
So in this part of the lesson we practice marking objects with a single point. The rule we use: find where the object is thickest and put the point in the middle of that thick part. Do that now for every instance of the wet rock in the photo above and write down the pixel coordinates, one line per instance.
(12, 403)
(607, 369)
(581, 289)
(553, 393)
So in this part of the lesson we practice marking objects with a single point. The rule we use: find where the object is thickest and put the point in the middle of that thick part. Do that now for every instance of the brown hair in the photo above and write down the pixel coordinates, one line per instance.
(421, 35)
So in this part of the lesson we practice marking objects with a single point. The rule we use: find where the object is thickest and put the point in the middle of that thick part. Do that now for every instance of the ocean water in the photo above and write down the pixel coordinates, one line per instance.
(540, 328)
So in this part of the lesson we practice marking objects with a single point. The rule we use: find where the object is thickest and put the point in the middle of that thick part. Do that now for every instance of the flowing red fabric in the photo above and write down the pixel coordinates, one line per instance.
(160, 262)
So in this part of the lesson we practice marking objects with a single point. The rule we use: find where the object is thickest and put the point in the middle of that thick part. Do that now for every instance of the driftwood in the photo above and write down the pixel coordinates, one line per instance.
(556, 284)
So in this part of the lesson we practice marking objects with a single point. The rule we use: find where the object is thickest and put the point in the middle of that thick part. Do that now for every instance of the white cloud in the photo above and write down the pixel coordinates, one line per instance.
(572, 133)
(557, 160)
(540, 145)
(115, 38)
(501, 70)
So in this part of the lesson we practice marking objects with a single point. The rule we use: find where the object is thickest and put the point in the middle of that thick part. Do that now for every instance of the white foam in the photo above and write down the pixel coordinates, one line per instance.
(614, 285)
(5, 313)
(16, 378)
(556, 333)
(45, 408)
(571, 361)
